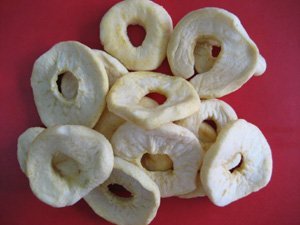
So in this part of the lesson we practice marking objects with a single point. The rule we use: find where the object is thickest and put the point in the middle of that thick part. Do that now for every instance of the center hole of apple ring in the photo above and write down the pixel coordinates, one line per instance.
(206, 51)
(67, 85)
(208, 131)
(236, 163)
(119, 191)
(136, 34)
(157, 162)
(158, 97)
(65, 167)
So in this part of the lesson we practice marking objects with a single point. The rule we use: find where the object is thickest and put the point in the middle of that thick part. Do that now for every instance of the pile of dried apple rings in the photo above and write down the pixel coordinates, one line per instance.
(108, 142)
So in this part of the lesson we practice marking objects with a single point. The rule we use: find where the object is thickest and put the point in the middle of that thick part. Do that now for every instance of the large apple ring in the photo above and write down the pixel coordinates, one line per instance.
(66, 162)
(125, 95)
(176, 146)
(237, 61)
(92, 82)
(151, 16)
(241, 144)
(138, 207)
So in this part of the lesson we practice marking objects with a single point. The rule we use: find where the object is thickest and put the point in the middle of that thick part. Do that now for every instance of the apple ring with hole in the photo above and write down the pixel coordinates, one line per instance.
(171, 155)
(24, 142)
(66, 162)
(236, 62)
(109, 122)
(152, 17)
(88, 102)
(242, 145)
(125, 95)
(207, 122)
(128, 196)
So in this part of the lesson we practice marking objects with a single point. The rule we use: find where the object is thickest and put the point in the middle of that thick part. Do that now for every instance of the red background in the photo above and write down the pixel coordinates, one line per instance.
(29, 28)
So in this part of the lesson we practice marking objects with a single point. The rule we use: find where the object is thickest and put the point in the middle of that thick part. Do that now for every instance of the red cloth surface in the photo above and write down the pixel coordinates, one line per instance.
(29, 28)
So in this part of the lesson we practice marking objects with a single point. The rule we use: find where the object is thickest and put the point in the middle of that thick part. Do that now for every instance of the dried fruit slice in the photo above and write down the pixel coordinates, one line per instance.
(236, 62)
(138, 208)
(109, 122)
(125, 95)
(212, 112)
(87, 105)
(66, 162)
(240, 162)
(157, 24)
(169, 142)
(24, 141)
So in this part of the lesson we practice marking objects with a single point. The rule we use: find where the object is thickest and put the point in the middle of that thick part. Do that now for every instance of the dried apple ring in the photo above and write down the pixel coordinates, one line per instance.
(125, 95)
(240, 162)
(236, 62)
(109, 122)
(66, 162)
(87, 105)
(24, 141)
(140, 207)
(212, 112)
(169, 142)
(152, 17)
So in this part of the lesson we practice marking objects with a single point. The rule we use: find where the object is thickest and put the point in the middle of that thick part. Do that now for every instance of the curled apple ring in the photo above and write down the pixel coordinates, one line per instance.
(239, 163)
(237, 62)
(125, 95)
